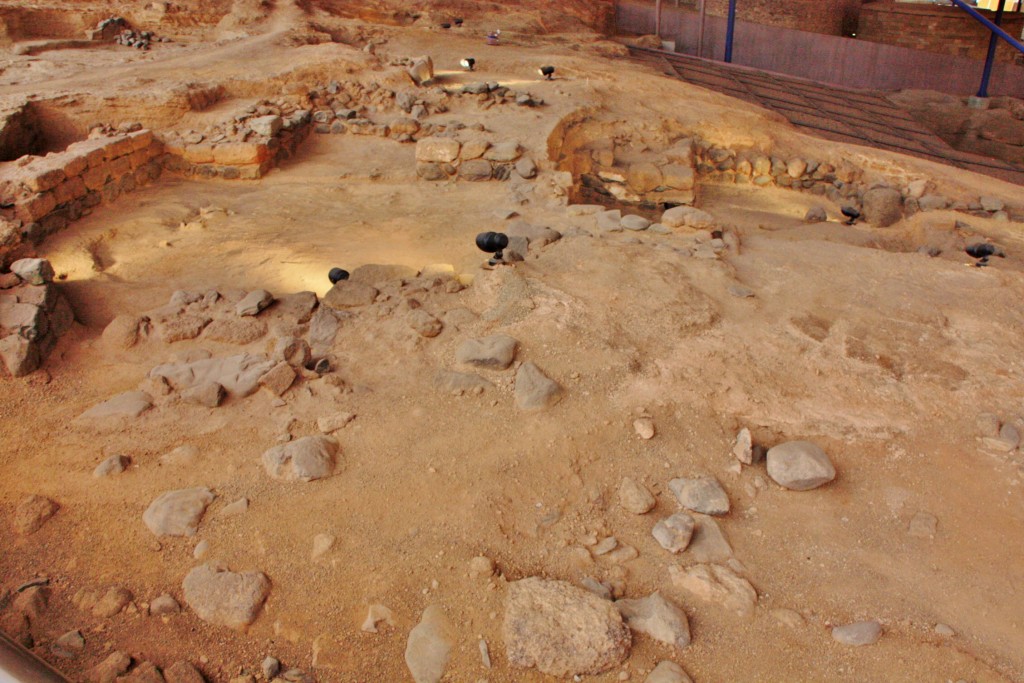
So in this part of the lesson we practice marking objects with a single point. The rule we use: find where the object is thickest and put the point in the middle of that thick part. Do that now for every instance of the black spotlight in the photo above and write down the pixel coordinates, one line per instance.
(468, 63)
(492, 243)
(446, 25)
(546, 71)
(982, 250)
(851, 213)
(457, 21)
(337, 275)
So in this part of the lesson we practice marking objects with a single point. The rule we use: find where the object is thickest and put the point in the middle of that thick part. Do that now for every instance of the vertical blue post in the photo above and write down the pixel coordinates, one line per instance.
(729, 29)
(991, 58)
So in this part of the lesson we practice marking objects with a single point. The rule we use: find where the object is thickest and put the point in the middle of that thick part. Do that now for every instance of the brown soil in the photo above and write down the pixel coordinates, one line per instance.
(853, 340)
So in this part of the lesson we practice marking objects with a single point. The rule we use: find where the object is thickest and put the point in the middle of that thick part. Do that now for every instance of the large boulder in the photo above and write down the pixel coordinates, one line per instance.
(226, 598)
(882, 206)
(562, 630)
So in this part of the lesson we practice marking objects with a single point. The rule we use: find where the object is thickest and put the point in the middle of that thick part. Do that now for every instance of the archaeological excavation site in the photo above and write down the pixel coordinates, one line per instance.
(372, 341)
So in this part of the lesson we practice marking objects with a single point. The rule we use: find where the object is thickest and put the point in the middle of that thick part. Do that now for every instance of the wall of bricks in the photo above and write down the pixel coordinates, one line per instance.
(238, 159)
(935, 28)
(833, 17)
(41, 195)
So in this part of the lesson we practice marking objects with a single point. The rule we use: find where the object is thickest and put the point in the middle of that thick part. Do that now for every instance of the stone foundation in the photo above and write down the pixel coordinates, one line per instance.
(33, 315)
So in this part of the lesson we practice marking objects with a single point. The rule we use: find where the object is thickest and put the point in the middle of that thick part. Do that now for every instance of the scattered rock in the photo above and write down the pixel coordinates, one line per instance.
(421, 71)
(658, 618)
(68, 645)
(429, 645)
(375, 615)
(305, 459)
(481, 566)
(644, 428)
(322, 543)
(350, 294)
(637, 223)
(944, 630)
(239, 374)
(687, 216)
(109, 669)
(743, 447)
(34, 271)
(535, 390)
(703, 494)
(225, 598)
(562, 630)
(279, 378)
(254, 302)
(789, 618)
(494, 353)
(708, 543)
(31, 513)
(332, 423)
(208, 394)
(990, 204)
(674, 533)
(164, 604)
(238, 507)
(183, 672)
(115, 464)
(668, 672)
(449, 381)
(526, 168)
(178, 513)
(424, 323)
(859, 633)
(270, 667)
(716, 584)
(130, 404)
(112, 602)
(815, 214)
(634, 497)
(799, 466)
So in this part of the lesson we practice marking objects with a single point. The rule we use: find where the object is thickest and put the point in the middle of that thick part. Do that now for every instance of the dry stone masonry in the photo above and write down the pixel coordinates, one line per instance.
(33, 316)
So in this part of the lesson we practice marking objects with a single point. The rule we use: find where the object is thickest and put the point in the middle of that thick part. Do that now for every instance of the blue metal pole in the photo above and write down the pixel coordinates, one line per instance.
(991, 27)
(729, 30)
(993, 41)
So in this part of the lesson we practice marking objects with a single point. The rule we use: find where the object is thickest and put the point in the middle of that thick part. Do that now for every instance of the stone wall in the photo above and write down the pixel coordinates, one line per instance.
(935, 28)
(444, 158)
(33, 315)
(250, 146)
(41, 195)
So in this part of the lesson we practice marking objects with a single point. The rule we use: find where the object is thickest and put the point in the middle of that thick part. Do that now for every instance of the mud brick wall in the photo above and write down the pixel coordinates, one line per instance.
(41, 195)
(234, 159)
(832, 17)
(935, 28)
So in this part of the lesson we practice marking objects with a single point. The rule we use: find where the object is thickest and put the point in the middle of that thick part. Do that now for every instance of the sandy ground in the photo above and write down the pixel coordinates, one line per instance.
(853, 340)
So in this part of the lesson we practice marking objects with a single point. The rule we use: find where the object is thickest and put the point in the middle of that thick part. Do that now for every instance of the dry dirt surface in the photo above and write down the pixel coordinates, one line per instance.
(889, 348)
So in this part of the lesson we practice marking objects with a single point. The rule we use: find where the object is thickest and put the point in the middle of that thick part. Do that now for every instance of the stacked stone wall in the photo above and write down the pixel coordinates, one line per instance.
(41, 195)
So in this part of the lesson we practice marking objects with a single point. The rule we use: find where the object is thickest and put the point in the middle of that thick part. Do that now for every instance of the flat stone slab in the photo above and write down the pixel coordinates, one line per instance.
(226, 598)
